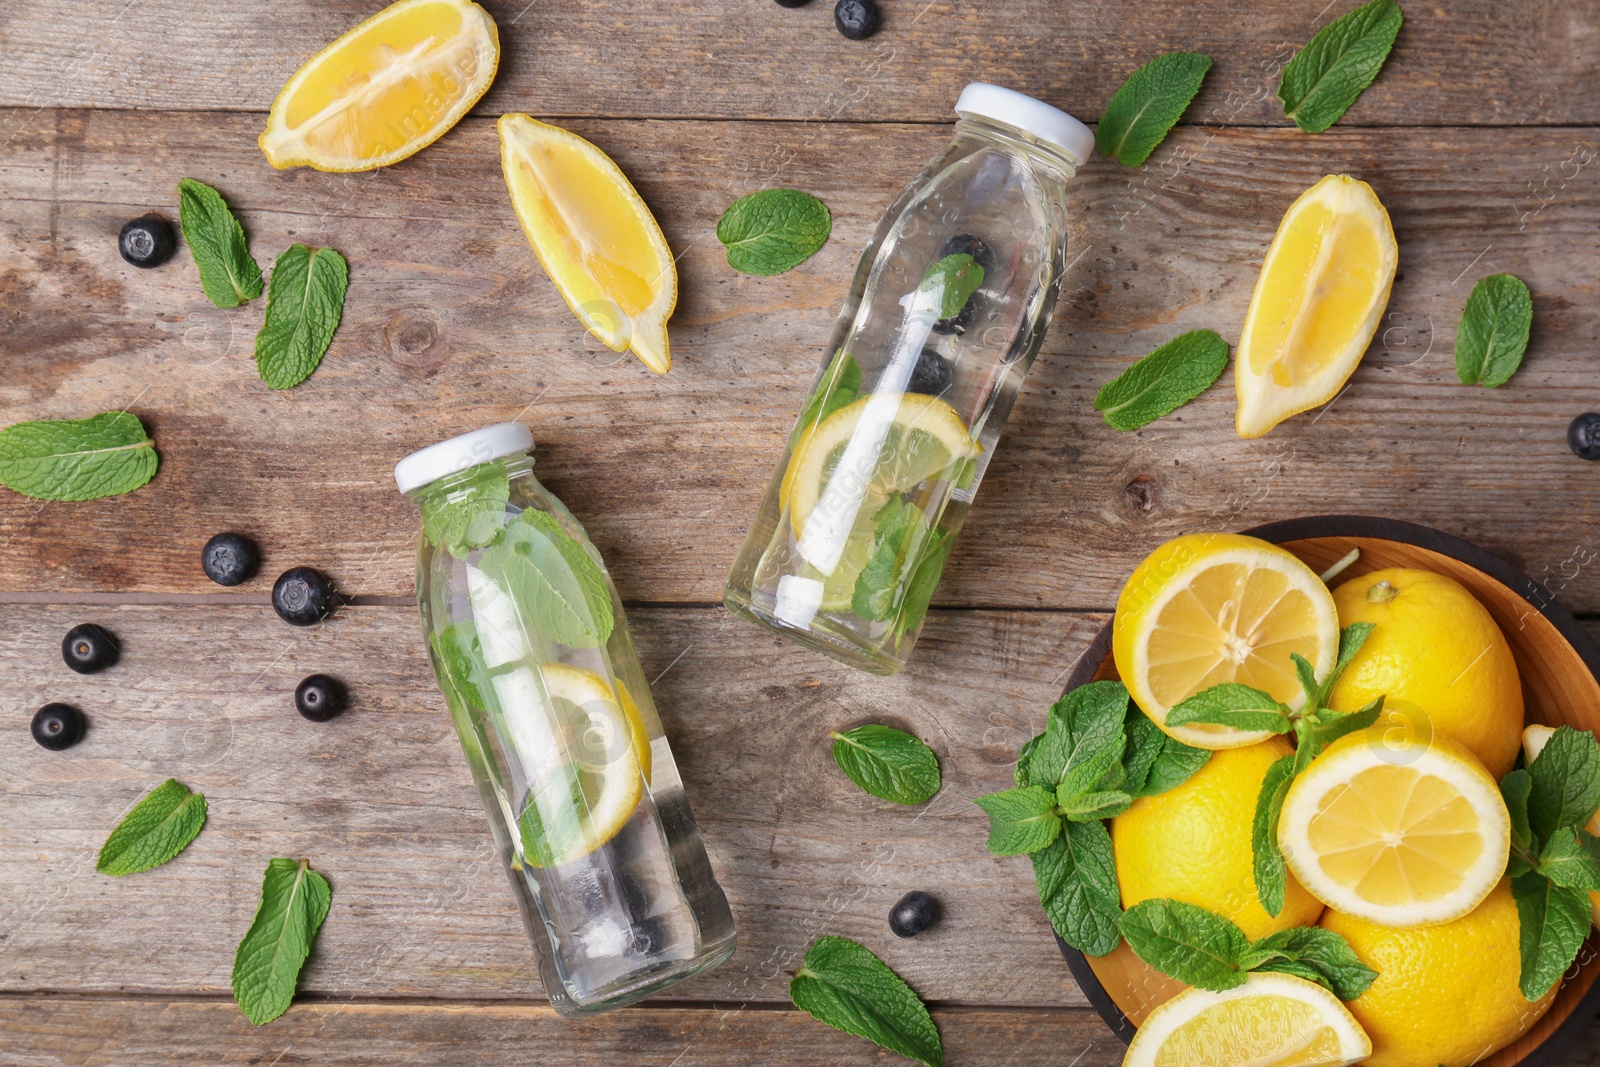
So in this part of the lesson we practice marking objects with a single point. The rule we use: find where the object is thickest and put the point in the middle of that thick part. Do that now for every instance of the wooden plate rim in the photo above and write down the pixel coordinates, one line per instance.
(1371, 526)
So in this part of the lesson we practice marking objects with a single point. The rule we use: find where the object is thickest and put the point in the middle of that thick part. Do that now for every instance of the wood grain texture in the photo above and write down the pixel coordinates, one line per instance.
(450, 325)
(1457, 61)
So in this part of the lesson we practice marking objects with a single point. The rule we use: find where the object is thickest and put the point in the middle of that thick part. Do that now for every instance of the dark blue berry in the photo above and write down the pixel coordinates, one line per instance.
(649, 937)
(147, 241)
(320, 697)
(915, 913)
(58, 726)
(932, 374)
(857, 19)
(1583, 436)
(302, 596)
(88, 649)
(966, 244)
(793, 3)
(229, 559)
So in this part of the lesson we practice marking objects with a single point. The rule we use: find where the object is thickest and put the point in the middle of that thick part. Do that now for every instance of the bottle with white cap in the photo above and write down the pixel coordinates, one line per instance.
(529, 644)
(949, 305)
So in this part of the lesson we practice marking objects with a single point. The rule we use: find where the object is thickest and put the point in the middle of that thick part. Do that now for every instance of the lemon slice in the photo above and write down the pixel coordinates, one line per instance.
(1534, 738)
(1318, 302)
(1395, 828)
(1273, 1020)
(385, 90)
(594, 235)
(1219, 607)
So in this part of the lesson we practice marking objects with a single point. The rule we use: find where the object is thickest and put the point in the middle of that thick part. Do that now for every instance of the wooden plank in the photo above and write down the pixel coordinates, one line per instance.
(381, 802)
(451, 325)
(1457, 61)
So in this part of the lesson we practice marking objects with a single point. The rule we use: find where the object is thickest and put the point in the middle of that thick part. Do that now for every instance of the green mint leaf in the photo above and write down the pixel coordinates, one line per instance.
(1566, 783)
(294, 901)
(1148, 105)
(1145, 742)
(898, 532)
(1177, 763)
(1351, 638)
(216, 241)
(469, 513)
(1092, 807)
(840, 385)
(1082, 724)
(552, 575)
(1163, 381)
(1294, 967)
(1327, 956)
(1494, 330)
(1021, 773)
(1331, 725)
(458, 663)
(773, 231)
(550, 827)
(1021, 820)
(304, 303)
(1232, 704)
(924, 580)
(159, 827)
(1096, 770)
(1077, 881)
(1193, 945)
(953, 279)
(77, 459)
(1271, 875)
(1568, 859)
(1555, 920)
(1321, 83)
(888, 763)
(1308, 680)
(1515, 788)
(844, 985)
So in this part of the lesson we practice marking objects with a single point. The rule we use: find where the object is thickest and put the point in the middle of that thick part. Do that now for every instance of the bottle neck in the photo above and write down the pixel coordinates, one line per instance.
(514, 465)
(1052, 157)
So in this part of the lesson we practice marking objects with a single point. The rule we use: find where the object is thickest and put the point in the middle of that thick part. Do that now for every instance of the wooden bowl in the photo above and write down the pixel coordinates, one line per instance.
(1560, 669)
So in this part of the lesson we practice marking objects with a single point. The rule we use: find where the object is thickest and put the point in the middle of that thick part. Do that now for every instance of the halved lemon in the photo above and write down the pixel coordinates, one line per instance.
(385, 90)
(1396, 828)
(1317, 304)
(1273, 1020)
(594, 236)
(1209, 608)
(1534, 738)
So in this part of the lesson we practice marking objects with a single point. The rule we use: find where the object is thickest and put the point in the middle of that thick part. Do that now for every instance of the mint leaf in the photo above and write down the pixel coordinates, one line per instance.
(1566, 783)
(1021, 820)
(1327, 725)
(1021, 772)
(1193, 945)
(1094, 806)
(1163, 381)
(551, 824)
(470, 512)
(888, 763)
(1272, 879)
(216, 241)
(1555, 920)
(1494, 330)
(844, 985)
(553, 577)
(1177, 763)
(1145, 742)
(898, 530)
(1321, 83)
(1232, 704)
(954, 279)
(304, 304)
(159, 827)
(1351, 638)
(294, 901)
(1082, 724)
(1077, 882)
(1309, 685)
(458, 663)
(1568, 859)
(840, 385)
(1148, 105)
(1090, 770)
(924, 580)
(1317, 955)
(1515, 788)
(77, 459)
(774, 230)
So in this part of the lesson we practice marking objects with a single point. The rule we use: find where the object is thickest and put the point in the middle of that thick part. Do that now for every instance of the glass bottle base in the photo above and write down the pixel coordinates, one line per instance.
(640, 986)
(838, 642)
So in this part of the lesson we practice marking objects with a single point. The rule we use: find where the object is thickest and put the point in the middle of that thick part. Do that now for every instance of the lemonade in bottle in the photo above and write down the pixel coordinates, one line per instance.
(948, 307)
(529, 644)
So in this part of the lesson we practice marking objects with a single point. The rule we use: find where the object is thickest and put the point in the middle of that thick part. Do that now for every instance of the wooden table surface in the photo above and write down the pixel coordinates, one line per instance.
(1480, 137)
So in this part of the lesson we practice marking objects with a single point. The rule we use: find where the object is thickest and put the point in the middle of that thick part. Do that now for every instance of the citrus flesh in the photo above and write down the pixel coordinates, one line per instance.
(594, 235)
(1321, 294)
(385, 90)
(1273, 1020)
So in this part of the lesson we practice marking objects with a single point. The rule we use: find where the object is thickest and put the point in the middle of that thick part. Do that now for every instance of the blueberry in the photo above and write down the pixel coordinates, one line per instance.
(793, 3)
(648, 938)
(229, 559)
(88, 649)
(967, 244)
(58, 726)
(320, 697)
(915, 913)
(1583, 436)
(301, 596)
(147, 241)
(932, 374)
(857, 19)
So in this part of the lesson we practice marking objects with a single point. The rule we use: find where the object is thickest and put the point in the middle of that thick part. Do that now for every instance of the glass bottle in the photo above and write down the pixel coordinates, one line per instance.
(949, 305)
(529, 644)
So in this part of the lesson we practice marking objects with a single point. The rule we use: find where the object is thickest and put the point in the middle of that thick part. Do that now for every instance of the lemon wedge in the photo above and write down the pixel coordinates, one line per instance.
(1396, 828)
(594, 235)
(385, 90)
(1317, 304)
(1220, 607)
(1272, 1020)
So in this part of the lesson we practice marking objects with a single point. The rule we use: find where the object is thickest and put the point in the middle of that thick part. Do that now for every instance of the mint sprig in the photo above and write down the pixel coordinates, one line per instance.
(1148, 105)
(773, 231)
(843, 984)
(1163, 381)
(540, 565)
(266, 969)
(1322, 82)
(305, 301)
(158, 827)
(228, 274)
(1494, 329)
(77, 459)
(888, 763)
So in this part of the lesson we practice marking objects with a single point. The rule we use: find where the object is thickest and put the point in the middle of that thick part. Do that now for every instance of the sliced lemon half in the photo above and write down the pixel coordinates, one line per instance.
(385, 90)
(1397, 829)
(594, 236)
(1273, 1020)
(1220, 607)
(1317, 303)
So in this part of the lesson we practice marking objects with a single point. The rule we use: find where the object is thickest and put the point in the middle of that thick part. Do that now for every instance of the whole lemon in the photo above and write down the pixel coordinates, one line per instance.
(1434, 645)
(1444, 994)
(1192, 843)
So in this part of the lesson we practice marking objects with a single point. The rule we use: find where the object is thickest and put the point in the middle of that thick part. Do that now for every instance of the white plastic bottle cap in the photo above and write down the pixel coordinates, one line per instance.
(459, 453)
(1036, 117)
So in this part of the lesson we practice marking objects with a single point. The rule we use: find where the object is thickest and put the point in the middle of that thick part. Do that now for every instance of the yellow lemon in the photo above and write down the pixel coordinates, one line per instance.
(1192, 843)
(1273, 1020)
(1444, 994)
(1434, 645)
